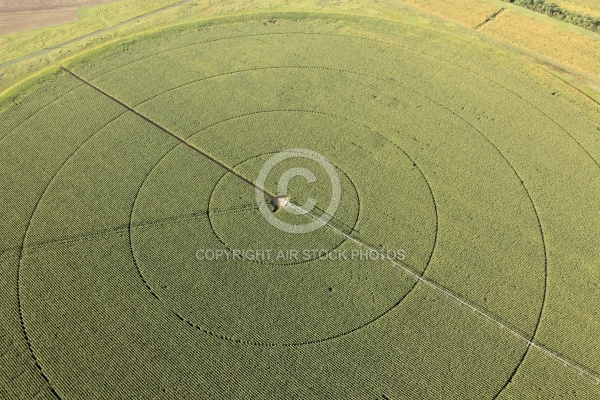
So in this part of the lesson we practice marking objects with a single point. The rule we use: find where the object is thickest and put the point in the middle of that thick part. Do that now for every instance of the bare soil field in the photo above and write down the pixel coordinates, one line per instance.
(11, 22)
(36, 5)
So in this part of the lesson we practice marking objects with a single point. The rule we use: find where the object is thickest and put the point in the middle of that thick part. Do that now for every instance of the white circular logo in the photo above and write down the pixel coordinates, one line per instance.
(282, 185)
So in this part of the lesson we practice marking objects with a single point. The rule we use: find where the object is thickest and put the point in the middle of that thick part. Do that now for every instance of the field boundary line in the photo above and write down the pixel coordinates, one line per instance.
(172, 134)
(490, 18)
(583, 371)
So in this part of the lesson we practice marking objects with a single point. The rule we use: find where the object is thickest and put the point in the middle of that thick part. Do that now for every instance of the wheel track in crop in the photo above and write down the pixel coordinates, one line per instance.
(435, 57)
(38, 111)
(429, 55)
(526, 191)
(254, 69)
(542, 236)
(22, 248)
(240, 341)
(66, 241)
(24, 330)
(540, 227)
(232, 339)
(455, 114)
(531, 339)
(162, 53)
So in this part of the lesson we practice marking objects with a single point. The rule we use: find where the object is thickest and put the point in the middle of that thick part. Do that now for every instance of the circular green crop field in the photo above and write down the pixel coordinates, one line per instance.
(136, 261)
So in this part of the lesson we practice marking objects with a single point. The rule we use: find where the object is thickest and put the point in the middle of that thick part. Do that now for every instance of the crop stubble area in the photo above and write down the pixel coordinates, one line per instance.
(485, 173)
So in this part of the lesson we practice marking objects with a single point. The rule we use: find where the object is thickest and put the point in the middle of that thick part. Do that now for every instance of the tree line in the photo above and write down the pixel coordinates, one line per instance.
(555, 11)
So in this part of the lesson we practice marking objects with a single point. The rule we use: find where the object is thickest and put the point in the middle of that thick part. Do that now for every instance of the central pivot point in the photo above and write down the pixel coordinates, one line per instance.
(281, 200)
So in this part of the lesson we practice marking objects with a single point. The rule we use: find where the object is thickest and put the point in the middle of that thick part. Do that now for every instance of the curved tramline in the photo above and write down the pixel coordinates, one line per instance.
(475, 309)
(446, 198)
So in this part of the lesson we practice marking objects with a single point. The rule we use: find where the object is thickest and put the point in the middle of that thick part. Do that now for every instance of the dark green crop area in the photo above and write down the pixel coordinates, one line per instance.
(483, 171)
